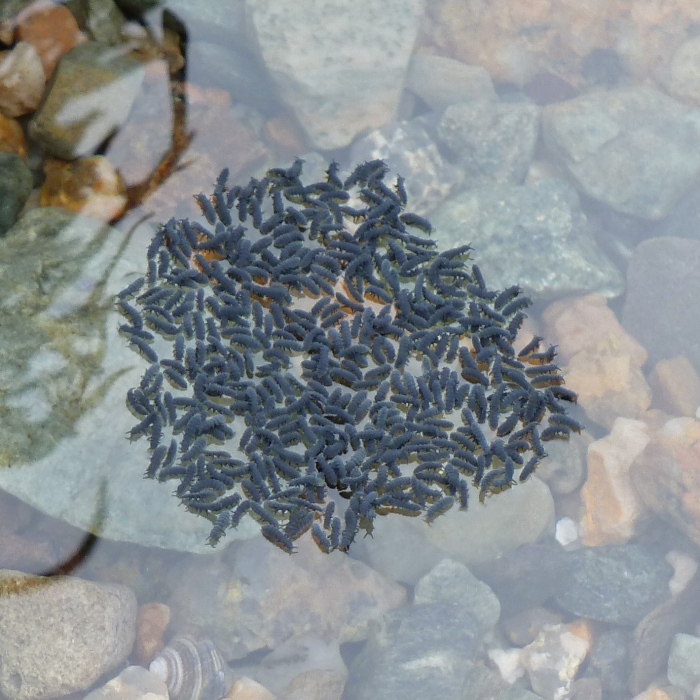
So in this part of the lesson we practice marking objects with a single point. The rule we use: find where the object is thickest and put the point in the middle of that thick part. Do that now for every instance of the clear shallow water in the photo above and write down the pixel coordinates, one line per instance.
(69, 369)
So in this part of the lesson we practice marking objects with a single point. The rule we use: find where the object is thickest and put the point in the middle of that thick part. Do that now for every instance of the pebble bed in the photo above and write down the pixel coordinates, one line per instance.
(316, 361)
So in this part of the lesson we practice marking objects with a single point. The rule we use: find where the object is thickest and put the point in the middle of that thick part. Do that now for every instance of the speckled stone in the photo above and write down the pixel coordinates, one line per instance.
(493, 142)
(452, 582)
(635, 149)
(59, 635)
(337, 84)
(417, 652)
(535, 234)
(616, 584)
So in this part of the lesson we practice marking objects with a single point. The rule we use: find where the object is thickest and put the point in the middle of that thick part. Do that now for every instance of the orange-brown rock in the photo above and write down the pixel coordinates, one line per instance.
(12, 138)
(676, 386)
(52, 30)
(151, 623)
(515, 41)
(611, 506)
(600, 360)
(89, 186)
(667, 475)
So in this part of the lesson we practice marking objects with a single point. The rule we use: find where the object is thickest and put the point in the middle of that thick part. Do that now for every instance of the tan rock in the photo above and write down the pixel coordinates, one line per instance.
(602, 362)
(611, 505)
(22, 80)
(248, 689)
(59, 635)
(152, 622)
(552, 661)
(51, 30)
(88, 186)
(667, 475)
(676, 386)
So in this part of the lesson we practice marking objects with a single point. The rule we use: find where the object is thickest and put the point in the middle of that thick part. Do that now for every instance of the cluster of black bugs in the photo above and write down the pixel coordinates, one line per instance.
(315, 361)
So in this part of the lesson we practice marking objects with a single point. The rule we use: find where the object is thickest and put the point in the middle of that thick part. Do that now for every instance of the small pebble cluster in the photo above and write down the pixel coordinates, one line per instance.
(315, 361)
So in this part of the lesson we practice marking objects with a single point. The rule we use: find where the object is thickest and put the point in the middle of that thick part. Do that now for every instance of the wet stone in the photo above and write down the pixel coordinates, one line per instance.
(634, 149)
(133, 683)
(255, 602)
(536, 234)
(22, 80)
(493, 142)
(440, 81)
(90, 96)
(617, 584)
(65, 374)
(338, 85)
(416, 652)
(15, 187)
(88, 186)
(684, 662)
(59, 635)
(52, 31)
(452, 582)
(535, 571)
(663, 280)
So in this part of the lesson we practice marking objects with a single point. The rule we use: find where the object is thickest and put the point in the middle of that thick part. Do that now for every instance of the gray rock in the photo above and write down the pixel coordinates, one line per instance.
(536, 236)
(482, 682)
(385, 551)
(684, 662)
(59, 635)
(416, 652)
(493, 142)
(15, 187)
(65, 372)
(484, 532)
(526, 577)
(298, 655)
(88, 98)
(661, 310)
(616, 584)
(262, 597)
(635, 149)
(452, 582)
(440, 81)
(340, 68)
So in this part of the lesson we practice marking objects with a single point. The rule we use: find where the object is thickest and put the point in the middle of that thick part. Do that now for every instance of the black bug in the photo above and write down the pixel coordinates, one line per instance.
(324, 347)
